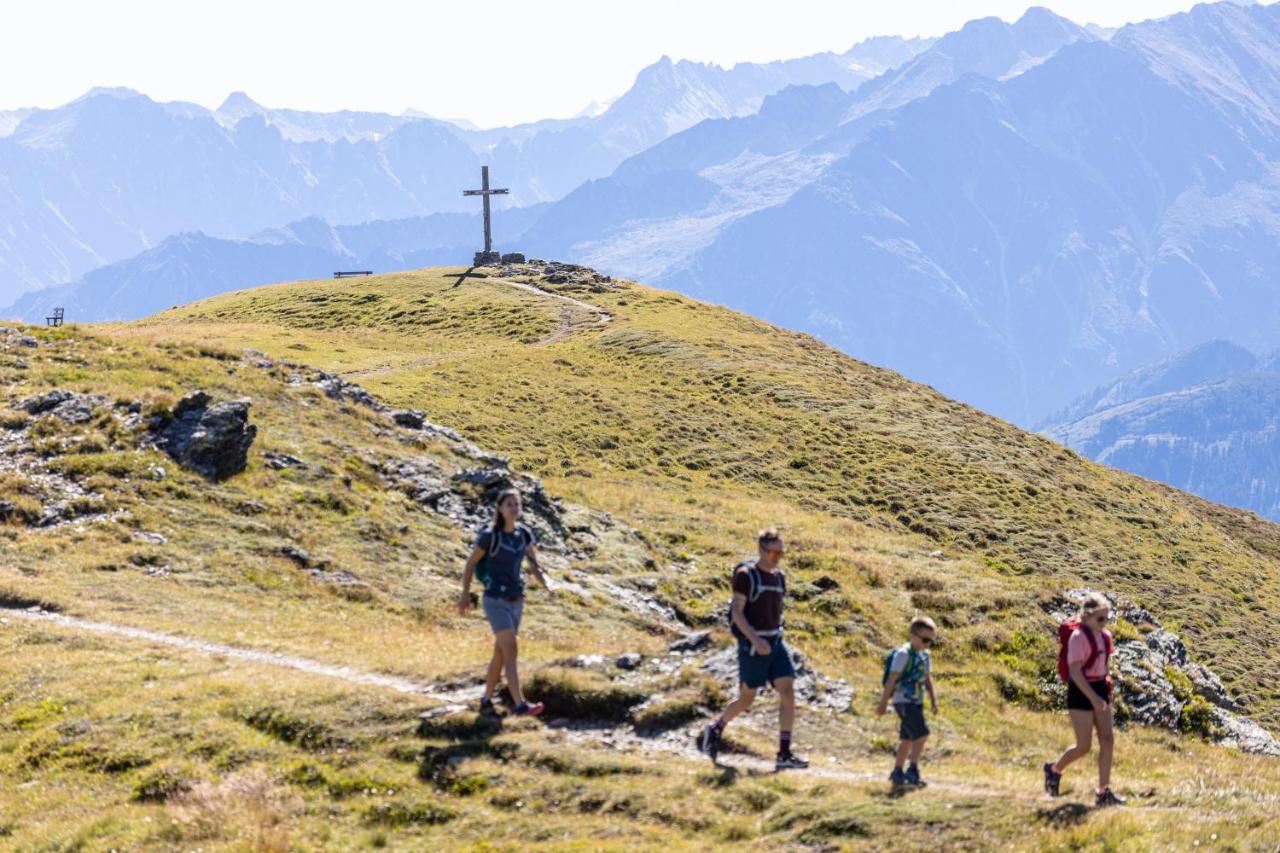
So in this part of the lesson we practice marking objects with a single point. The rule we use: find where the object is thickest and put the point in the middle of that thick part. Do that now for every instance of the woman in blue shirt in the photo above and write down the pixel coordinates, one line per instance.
(497, 561)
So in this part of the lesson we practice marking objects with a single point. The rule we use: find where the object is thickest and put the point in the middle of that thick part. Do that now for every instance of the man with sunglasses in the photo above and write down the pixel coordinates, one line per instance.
(755, 614)
(908, 676)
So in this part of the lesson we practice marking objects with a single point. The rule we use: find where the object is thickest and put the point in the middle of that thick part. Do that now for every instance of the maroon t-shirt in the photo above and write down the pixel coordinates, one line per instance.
(765, 614)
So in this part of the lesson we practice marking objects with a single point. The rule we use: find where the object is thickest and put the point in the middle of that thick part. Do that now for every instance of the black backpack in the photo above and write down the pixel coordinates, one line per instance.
(757, 587)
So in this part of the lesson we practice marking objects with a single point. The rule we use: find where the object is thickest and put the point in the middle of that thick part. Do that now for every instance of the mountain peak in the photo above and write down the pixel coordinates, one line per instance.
(239, 104)
(120, 93)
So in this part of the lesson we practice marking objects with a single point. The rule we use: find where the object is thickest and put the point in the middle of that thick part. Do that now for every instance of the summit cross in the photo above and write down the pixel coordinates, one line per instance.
(484, 192)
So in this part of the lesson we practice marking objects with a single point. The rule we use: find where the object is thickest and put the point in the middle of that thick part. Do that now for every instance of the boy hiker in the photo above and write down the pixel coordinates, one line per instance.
(907, 677)
(755, 618)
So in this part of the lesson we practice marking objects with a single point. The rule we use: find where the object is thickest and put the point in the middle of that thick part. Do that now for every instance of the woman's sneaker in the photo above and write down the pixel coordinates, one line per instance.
(790, 761)
(710, 742)
(529, 709)
(1052, 780)
(486, 707)
(1108, 798)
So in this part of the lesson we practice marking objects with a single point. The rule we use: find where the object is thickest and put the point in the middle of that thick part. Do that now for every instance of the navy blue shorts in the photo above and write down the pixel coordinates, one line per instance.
(912, 716)
(757, 670)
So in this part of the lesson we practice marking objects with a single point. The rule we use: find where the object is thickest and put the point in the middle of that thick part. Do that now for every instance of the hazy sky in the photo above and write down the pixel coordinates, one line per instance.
(496, 62)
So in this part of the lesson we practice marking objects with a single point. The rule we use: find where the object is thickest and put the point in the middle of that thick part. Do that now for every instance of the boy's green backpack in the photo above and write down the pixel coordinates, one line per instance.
(910, 674)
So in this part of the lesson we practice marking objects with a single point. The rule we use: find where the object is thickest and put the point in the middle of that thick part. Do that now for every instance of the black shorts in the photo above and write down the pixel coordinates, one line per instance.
(912, 716)
(1078, 701)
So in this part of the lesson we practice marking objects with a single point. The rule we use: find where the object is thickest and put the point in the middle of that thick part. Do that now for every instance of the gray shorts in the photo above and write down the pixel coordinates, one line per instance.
(503, 615)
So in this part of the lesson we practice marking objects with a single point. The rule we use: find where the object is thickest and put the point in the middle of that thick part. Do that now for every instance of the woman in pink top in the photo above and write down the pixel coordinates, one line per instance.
(1089, 698)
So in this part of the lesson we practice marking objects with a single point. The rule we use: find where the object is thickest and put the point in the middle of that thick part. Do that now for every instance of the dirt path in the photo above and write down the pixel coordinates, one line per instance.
(570, 324)
(371, 679)
(679, 743)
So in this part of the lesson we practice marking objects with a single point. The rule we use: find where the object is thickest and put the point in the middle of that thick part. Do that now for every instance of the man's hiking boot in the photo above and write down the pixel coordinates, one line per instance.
(710, 742)
(912, 777)
(897, 778)
(1052, 780)
(1108, 798)
(529, 709)
(790, 761)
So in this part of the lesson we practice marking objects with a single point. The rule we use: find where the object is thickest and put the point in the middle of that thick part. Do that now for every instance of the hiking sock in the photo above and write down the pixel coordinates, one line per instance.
(784, 743)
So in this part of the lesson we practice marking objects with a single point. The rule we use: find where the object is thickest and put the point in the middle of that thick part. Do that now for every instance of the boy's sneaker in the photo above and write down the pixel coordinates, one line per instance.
(1108, 798)
(529, 709)
(790, 761)
(897, 778)
(912, 777)
(710, 742)
(1052, 780)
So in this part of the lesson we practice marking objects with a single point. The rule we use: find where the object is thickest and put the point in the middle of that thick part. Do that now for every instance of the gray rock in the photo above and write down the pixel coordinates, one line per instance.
(1142, 668)
(298, 555)
(211, 440)
(28, 341)
(337, 388)
(629, 660)
(280, 461)
(692, 642)
(150, 538)
(45, 402)
(411, 418)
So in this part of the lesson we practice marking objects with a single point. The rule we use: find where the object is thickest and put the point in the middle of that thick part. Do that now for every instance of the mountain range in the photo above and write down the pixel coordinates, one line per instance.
(1013, 238)
(1016, 214)
(114, 172)
(191, 266)
(1206, 420)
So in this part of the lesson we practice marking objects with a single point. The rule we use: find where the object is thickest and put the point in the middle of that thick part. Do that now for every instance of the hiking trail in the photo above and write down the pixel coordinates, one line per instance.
(570, 323)
(678, 742)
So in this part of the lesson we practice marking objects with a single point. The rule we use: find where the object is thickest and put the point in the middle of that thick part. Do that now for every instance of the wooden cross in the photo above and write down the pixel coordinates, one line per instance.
(485, 192)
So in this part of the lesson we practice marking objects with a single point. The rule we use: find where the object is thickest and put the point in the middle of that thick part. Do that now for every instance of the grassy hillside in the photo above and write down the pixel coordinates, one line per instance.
(690, 424)
(698, 424)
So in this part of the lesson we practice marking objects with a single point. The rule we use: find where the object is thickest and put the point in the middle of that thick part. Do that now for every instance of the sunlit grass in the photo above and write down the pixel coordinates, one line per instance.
(696, 426)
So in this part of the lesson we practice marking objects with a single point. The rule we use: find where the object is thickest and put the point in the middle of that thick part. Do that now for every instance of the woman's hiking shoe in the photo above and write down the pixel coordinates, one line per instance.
(1052, 780)
(1108, 798)
(486, 707)
(526, 709)
(912, 777)
(710, 742)
(897, 778)
(790, 761)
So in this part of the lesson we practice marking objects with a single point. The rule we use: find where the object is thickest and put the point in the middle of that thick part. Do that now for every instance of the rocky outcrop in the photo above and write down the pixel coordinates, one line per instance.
(566, 276)
(1160, 685)
(811, 686)
(466, 495)
(67, 406)
(212, 440)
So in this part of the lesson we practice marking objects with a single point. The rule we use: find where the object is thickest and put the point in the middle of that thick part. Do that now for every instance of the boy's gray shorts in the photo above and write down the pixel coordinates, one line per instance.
(503, 615)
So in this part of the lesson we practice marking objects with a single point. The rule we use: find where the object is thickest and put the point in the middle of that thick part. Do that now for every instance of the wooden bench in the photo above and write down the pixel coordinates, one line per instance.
(56, 319)
(350, 273)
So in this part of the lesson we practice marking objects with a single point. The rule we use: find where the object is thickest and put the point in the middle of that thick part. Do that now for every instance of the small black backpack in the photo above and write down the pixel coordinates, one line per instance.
(758, 586)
